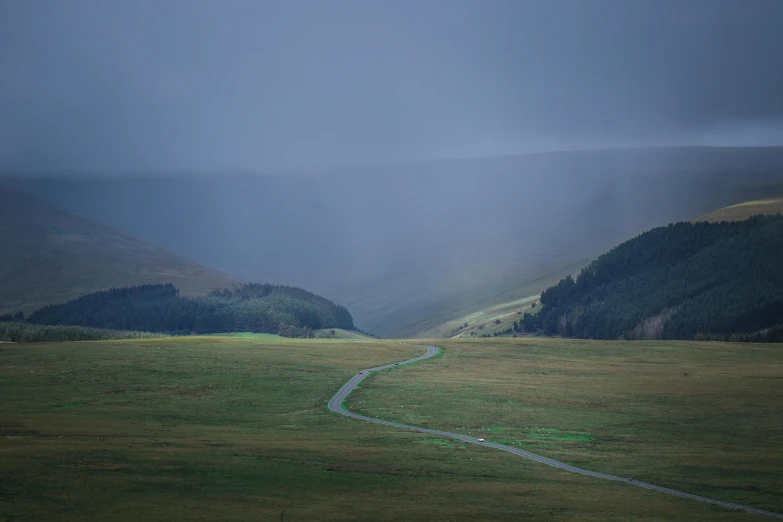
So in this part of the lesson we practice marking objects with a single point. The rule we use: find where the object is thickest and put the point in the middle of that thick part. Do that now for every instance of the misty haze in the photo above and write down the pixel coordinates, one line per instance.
(305, 260)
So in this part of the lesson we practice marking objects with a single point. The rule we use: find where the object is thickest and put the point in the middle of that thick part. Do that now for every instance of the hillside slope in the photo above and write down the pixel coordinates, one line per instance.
(744, 210)
(411, 246)
(259, 308)
(49, 255)
(714, 280)
(479, 307)
(498, 312)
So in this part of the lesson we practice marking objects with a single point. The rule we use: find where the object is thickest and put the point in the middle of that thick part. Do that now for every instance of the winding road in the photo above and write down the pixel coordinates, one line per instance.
(336, 405)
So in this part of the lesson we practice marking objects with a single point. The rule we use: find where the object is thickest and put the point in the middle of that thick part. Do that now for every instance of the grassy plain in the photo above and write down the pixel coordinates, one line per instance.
(339, 333)
(705, 418)
(236, 428)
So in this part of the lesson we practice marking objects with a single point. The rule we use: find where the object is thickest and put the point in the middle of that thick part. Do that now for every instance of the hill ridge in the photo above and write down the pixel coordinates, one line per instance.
(51, 255)
(744, 210)
(683, 281)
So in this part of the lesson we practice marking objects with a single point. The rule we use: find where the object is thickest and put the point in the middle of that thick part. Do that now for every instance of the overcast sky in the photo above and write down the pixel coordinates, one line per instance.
(121, 86)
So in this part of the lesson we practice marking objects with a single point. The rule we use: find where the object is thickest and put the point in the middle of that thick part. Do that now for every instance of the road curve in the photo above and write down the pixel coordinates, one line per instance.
(336, 405)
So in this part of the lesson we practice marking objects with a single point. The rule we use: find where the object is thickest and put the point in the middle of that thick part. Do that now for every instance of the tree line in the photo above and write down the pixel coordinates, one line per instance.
(721, 281)
(253, 307)
(17, 332)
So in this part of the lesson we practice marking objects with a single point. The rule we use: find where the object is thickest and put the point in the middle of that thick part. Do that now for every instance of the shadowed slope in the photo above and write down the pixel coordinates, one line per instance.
(50, 255)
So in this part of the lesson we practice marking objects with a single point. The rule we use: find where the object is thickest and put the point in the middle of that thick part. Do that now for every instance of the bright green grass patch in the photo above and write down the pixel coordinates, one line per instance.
(245, 335)
(338, 333)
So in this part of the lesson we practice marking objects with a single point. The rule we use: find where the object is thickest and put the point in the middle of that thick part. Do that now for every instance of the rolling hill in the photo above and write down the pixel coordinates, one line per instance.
(744, 210)
(49, 255)
(413, 246)
(687, 280)
(252, 307)
(498, 313)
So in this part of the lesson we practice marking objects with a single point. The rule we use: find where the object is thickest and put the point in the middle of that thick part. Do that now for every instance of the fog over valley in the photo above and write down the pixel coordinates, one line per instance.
(388, 241)
(391, 260)
(401, 157)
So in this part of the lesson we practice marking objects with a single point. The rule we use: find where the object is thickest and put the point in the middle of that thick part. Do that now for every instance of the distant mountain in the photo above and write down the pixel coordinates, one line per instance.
(410, 246)
(49, 255)
(684, 281)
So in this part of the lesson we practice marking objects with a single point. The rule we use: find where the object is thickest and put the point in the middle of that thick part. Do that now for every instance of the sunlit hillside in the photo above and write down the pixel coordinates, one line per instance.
(744, 210)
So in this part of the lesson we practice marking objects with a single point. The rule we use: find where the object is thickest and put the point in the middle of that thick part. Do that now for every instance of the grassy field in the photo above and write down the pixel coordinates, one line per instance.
(338, 333)
(704, 418)
(245, 335)
(236, 428)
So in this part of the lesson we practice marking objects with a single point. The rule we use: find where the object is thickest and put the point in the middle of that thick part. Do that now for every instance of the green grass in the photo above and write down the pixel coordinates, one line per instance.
(535, 434)
(326, 333)
(233, 428)
(245, 335)
(699, 417)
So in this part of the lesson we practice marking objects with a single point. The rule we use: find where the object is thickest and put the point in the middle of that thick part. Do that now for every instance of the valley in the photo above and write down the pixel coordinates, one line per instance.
(410, 246)
(359, 260)
(235, 424)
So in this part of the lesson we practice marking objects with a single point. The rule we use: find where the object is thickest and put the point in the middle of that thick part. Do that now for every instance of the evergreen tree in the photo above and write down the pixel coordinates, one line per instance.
(261, 308)
(676, 282)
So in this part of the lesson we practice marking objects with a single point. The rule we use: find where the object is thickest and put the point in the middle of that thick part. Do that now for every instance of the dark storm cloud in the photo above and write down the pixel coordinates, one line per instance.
(129, 86)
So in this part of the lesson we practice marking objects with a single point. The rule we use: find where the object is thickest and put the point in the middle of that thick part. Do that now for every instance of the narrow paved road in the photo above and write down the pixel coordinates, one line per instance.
(336, 405)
